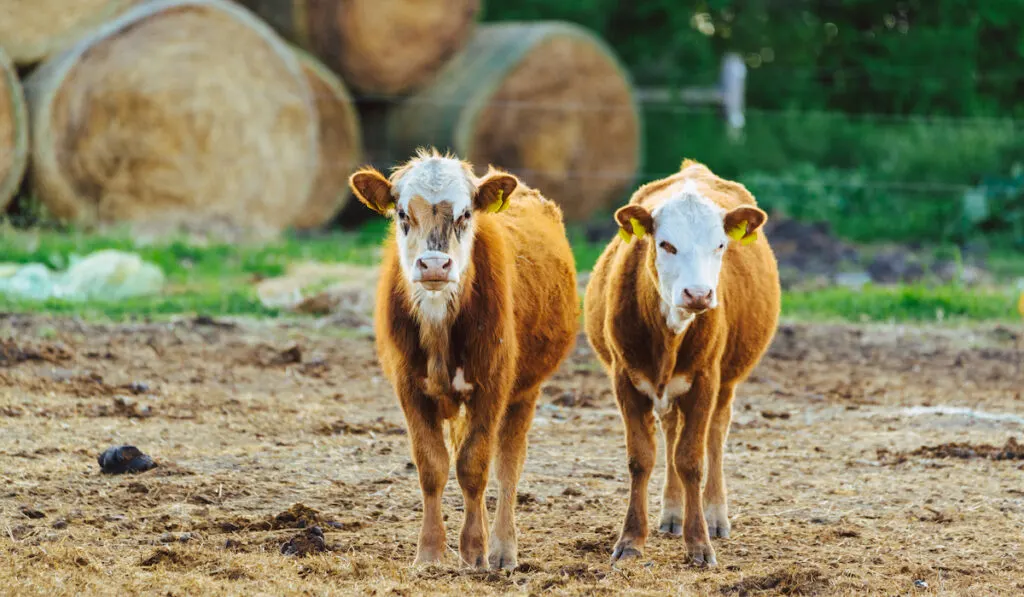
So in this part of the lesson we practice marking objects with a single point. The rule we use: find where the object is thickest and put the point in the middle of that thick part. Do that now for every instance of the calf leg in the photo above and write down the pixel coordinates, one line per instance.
(472, 467)
(716, 505)
(689, 461)
(672, 497)
(641, 448)
(430, 455)
(515, 426)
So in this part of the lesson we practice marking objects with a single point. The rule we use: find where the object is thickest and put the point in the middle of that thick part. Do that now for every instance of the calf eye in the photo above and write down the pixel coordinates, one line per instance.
(403, 219)
(721, 247)
(463, 219)
(668, 248)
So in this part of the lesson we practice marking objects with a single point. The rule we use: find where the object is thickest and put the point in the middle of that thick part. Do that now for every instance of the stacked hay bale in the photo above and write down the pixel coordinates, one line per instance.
(379, 47)
(194, 115)
(13, 131)
(340, 145)
(31, 31)
(179, 114)
(548, 101)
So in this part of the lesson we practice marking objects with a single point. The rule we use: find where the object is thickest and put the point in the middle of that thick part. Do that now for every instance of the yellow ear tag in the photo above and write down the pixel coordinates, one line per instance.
(625, 236)
(638, 230)
(498, 204)
(749, 239)
(389, 207)
(738, 232)
(505, 202)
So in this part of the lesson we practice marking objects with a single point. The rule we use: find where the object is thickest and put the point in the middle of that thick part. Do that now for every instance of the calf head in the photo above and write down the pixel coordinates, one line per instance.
(687, 236)
(434, 200)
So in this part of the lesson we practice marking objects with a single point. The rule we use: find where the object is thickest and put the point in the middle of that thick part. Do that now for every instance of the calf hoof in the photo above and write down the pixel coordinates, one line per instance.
(702, 554)
(474, 556)
(426, 557)
(717, 518)
(626, 550)
(671, 524)
(503, 555)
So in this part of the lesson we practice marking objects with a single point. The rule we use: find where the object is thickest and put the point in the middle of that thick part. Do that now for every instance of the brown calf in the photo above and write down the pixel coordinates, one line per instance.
(679, 311)
(476, 306)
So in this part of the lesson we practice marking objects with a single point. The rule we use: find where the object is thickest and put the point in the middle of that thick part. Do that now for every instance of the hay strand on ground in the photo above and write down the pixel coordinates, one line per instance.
(13, 131)
(340, 144)
(548, 101)
(386, 47)
(32, 30)
(180, 115)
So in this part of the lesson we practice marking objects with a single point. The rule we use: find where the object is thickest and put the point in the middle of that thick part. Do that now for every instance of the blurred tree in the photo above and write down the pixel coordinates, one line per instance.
(953, 57)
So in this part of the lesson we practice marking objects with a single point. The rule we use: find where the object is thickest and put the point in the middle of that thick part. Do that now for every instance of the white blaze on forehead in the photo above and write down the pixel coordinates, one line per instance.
(689, 220)
(436, 180)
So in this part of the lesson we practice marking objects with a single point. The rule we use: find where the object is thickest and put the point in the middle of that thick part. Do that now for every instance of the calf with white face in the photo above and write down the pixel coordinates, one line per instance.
(691, 235)
(475, 308)
(433, 201)
(679, 313)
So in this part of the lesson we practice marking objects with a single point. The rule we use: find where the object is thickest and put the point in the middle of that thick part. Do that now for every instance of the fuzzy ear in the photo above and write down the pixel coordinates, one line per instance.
(373, 190)
(633, 221)
(494, 192)
(742, 223)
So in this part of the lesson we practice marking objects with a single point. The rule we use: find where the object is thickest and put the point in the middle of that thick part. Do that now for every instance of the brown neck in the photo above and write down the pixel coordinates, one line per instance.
(664, 341)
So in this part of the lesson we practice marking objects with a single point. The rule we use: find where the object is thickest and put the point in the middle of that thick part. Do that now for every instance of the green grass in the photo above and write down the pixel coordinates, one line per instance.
(219, 279)
(903, 303)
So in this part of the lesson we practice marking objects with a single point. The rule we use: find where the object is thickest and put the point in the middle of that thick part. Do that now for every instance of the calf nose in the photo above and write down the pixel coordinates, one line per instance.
(434, 269)
(697, 298)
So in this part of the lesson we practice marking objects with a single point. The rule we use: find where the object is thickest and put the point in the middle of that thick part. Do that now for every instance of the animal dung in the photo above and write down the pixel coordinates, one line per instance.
(13, 130)
(178, 114)
(547, 101)
(340, 144)
(118, 460)
(379, 47)
(32, 31)
(307, 542)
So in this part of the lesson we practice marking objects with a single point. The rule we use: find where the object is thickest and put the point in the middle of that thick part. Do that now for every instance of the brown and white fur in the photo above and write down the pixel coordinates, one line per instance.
(679, 318)
(474, 311)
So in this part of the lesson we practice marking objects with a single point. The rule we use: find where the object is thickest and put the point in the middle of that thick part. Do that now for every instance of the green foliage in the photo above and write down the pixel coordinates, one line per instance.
(951, 57)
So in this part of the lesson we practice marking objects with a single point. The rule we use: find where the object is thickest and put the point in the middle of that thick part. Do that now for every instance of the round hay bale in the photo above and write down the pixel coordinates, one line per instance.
(340, 144)
(180, 115)
(547, 101)
(13, 131)
(385, 47)
(32, 30)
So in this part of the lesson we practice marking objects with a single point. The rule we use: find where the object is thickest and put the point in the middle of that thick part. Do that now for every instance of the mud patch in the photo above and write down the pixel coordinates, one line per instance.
(782, 582)
(1011, 450)
(378, 426)
(12, 354)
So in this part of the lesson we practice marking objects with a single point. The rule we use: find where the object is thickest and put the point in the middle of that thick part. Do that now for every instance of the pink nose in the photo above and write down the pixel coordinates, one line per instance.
(698, 298)
(434, 269)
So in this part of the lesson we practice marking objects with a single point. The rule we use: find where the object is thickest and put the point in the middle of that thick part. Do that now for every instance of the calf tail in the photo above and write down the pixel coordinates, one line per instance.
(458, 428)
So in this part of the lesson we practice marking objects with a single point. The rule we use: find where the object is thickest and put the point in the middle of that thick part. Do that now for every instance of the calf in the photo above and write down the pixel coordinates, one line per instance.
(679, 310)
(476, 306)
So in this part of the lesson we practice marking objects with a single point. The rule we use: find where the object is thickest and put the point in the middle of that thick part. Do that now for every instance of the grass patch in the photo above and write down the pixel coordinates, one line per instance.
(902, 303)
(219, 279)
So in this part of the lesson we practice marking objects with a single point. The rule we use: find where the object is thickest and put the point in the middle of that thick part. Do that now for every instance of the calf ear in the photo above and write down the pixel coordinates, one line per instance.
(742, 223)
(633, 221)
(373, 190)
(494, 191)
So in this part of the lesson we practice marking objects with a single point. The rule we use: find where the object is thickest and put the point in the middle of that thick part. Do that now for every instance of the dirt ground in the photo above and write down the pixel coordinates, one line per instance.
(857, 464)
